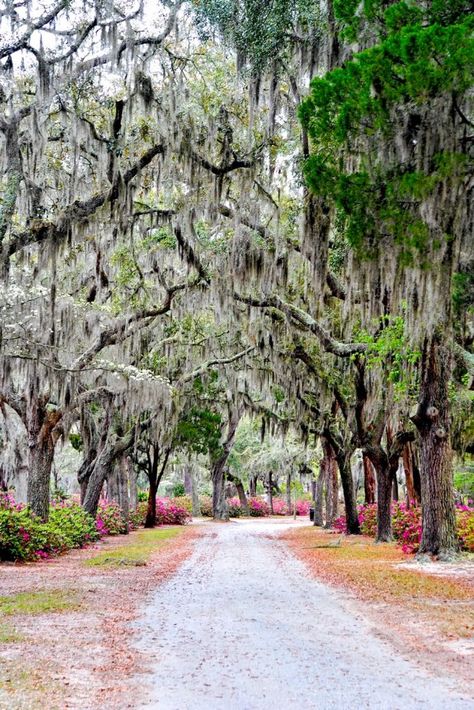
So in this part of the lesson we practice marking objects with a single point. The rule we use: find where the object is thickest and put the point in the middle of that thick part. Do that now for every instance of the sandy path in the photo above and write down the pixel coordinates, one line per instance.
(242, 626)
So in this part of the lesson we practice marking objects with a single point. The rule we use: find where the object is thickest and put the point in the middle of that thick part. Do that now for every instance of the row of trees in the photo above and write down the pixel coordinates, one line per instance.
(166, 268)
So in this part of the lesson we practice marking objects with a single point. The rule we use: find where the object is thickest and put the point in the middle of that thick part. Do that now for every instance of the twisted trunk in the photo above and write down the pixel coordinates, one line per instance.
(40, 424)
(114, 447)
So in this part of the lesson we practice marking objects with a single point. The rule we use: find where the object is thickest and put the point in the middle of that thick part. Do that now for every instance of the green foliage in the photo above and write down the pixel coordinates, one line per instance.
(463, 292)
(391, 350)
(413, 63)
(353, 16)
(199, 431)
(162, 237)
(76, 442)
(260, 31)
(178, 490)
(144, 545)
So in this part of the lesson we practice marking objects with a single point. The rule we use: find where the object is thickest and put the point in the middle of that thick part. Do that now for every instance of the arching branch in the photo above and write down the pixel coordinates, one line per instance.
(299, 317)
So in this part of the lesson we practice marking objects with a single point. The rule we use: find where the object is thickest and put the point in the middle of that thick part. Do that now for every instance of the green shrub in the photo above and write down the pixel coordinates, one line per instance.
(179, 490)
(235, 507)
(23, 536)
(183, 502)
(206, 506)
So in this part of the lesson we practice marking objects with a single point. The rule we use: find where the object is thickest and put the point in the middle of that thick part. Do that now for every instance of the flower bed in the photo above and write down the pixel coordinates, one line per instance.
(169, 511)
(23, 536)
(406, 525)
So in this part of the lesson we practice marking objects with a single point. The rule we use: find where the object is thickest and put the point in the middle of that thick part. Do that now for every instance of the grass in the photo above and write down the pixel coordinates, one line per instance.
(43, 602)
(8, 634)
(143, 544)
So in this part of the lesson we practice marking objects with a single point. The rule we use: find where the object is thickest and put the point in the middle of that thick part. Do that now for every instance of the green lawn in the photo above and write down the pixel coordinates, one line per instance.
(137, 552)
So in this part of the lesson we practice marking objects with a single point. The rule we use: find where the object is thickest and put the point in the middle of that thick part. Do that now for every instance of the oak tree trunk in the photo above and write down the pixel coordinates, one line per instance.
(332, 488)
(270, 491)
(369, 480)
(242, 497)
(40, 461)
(433, 423)
(352, 518)
(318, 495)
(220, 510)
(39, 426)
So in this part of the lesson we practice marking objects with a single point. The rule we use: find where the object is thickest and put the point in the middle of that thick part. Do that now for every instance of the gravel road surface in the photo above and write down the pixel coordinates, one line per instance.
(242, 626)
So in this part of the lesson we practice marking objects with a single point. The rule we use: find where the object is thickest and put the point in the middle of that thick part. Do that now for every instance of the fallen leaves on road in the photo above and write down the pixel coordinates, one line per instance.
(418, 611)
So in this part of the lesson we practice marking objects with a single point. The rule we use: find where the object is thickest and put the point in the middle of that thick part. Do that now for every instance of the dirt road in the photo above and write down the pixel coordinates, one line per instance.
(242, 626)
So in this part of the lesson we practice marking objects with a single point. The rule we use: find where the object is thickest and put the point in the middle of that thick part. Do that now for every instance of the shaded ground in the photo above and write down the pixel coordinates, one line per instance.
(65, 624)
(244, 626)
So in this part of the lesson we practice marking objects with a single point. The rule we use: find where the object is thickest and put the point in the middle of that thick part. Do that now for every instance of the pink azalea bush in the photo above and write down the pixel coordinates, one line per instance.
(280, 507)
(23, 536)
(406, 525)
(258, 508)
(109, 519)
(235, 507)
(302, 507)
(168, 512)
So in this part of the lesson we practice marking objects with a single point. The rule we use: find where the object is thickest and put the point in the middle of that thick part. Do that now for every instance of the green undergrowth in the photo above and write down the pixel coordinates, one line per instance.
(42, 602)
(8, 634)
(138, 551)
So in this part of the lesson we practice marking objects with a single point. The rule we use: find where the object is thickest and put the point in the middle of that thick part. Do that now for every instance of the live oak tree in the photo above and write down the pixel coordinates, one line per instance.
(155, 226)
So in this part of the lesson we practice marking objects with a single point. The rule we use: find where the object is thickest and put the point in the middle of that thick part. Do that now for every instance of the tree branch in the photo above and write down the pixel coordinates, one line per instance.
(188, 376)
(303, 319)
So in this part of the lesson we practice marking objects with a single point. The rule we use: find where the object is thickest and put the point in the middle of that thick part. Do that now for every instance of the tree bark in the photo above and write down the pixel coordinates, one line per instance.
(433, 423)
(395, 487)
(331, 485)
(288, 491)
(155, 474)
(381, 464)
(220, 510)
(113, 448)
(39, 424)
(40, 461)
(270, 491)
(132, 482)
(253, 486)
(318, 495)
(412, 475)
(369, 480)
(352, 517)
(240, 492)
